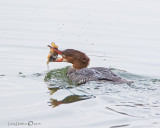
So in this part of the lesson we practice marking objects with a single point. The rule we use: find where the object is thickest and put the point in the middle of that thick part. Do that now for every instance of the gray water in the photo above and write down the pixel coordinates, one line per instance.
(122, 35)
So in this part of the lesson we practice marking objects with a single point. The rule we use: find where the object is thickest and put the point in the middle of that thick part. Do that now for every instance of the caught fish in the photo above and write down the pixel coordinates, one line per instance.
(52, 56)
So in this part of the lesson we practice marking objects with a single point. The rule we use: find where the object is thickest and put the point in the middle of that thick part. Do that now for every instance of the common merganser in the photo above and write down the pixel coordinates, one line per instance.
(79, 73)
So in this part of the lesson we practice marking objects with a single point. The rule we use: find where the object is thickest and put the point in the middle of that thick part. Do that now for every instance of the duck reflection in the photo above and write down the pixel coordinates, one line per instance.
(68, 99)
(53, 90)
(57, 81)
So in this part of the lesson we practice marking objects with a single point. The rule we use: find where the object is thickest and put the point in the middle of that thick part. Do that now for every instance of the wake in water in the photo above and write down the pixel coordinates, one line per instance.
(139, 100)
(142, 89)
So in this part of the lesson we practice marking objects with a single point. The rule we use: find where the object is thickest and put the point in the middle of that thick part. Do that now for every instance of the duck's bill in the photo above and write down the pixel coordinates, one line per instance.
(59, 59)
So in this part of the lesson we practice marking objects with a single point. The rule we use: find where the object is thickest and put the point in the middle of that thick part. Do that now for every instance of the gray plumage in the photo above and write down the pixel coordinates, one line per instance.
(93, 74)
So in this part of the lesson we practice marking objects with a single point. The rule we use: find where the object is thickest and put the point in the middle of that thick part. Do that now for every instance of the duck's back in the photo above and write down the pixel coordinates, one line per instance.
(93, 74)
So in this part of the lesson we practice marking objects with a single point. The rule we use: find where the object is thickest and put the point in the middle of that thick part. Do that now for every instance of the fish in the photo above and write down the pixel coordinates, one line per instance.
(52, 56)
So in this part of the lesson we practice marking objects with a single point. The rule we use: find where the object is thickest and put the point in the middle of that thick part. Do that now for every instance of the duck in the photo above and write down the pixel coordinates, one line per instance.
(79, 73)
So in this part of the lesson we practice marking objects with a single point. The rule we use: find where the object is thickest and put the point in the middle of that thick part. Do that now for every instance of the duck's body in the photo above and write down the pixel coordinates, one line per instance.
(93, 74)
(80, 74)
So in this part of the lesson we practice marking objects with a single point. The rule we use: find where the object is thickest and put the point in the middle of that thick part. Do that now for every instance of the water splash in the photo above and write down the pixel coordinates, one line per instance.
(136, 100)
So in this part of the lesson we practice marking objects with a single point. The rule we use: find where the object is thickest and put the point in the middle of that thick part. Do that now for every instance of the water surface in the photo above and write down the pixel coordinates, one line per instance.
(122, 35)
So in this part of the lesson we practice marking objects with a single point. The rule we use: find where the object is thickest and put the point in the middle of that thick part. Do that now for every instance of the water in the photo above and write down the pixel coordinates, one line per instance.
(122, 35)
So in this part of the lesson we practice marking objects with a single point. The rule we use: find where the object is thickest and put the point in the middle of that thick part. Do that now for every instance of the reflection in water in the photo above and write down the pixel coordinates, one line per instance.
(53, 90)
(136, 100)
(58, 77)
(68, 99)
(57, 81)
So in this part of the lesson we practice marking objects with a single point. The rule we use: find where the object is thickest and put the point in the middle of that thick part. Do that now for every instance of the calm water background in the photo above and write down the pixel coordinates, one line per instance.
(120, 34)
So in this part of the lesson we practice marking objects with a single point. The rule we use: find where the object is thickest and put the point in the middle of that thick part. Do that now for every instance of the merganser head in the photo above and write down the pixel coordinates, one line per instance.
(77, 58)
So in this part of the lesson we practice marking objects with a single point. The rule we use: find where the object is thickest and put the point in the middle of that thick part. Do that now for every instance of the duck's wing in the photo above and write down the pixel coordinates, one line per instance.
(103, 73)
(80, 76)
(93, 74)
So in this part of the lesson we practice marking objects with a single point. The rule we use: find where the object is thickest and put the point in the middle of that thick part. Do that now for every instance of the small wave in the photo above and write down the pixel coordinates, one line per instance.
(132, 97)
